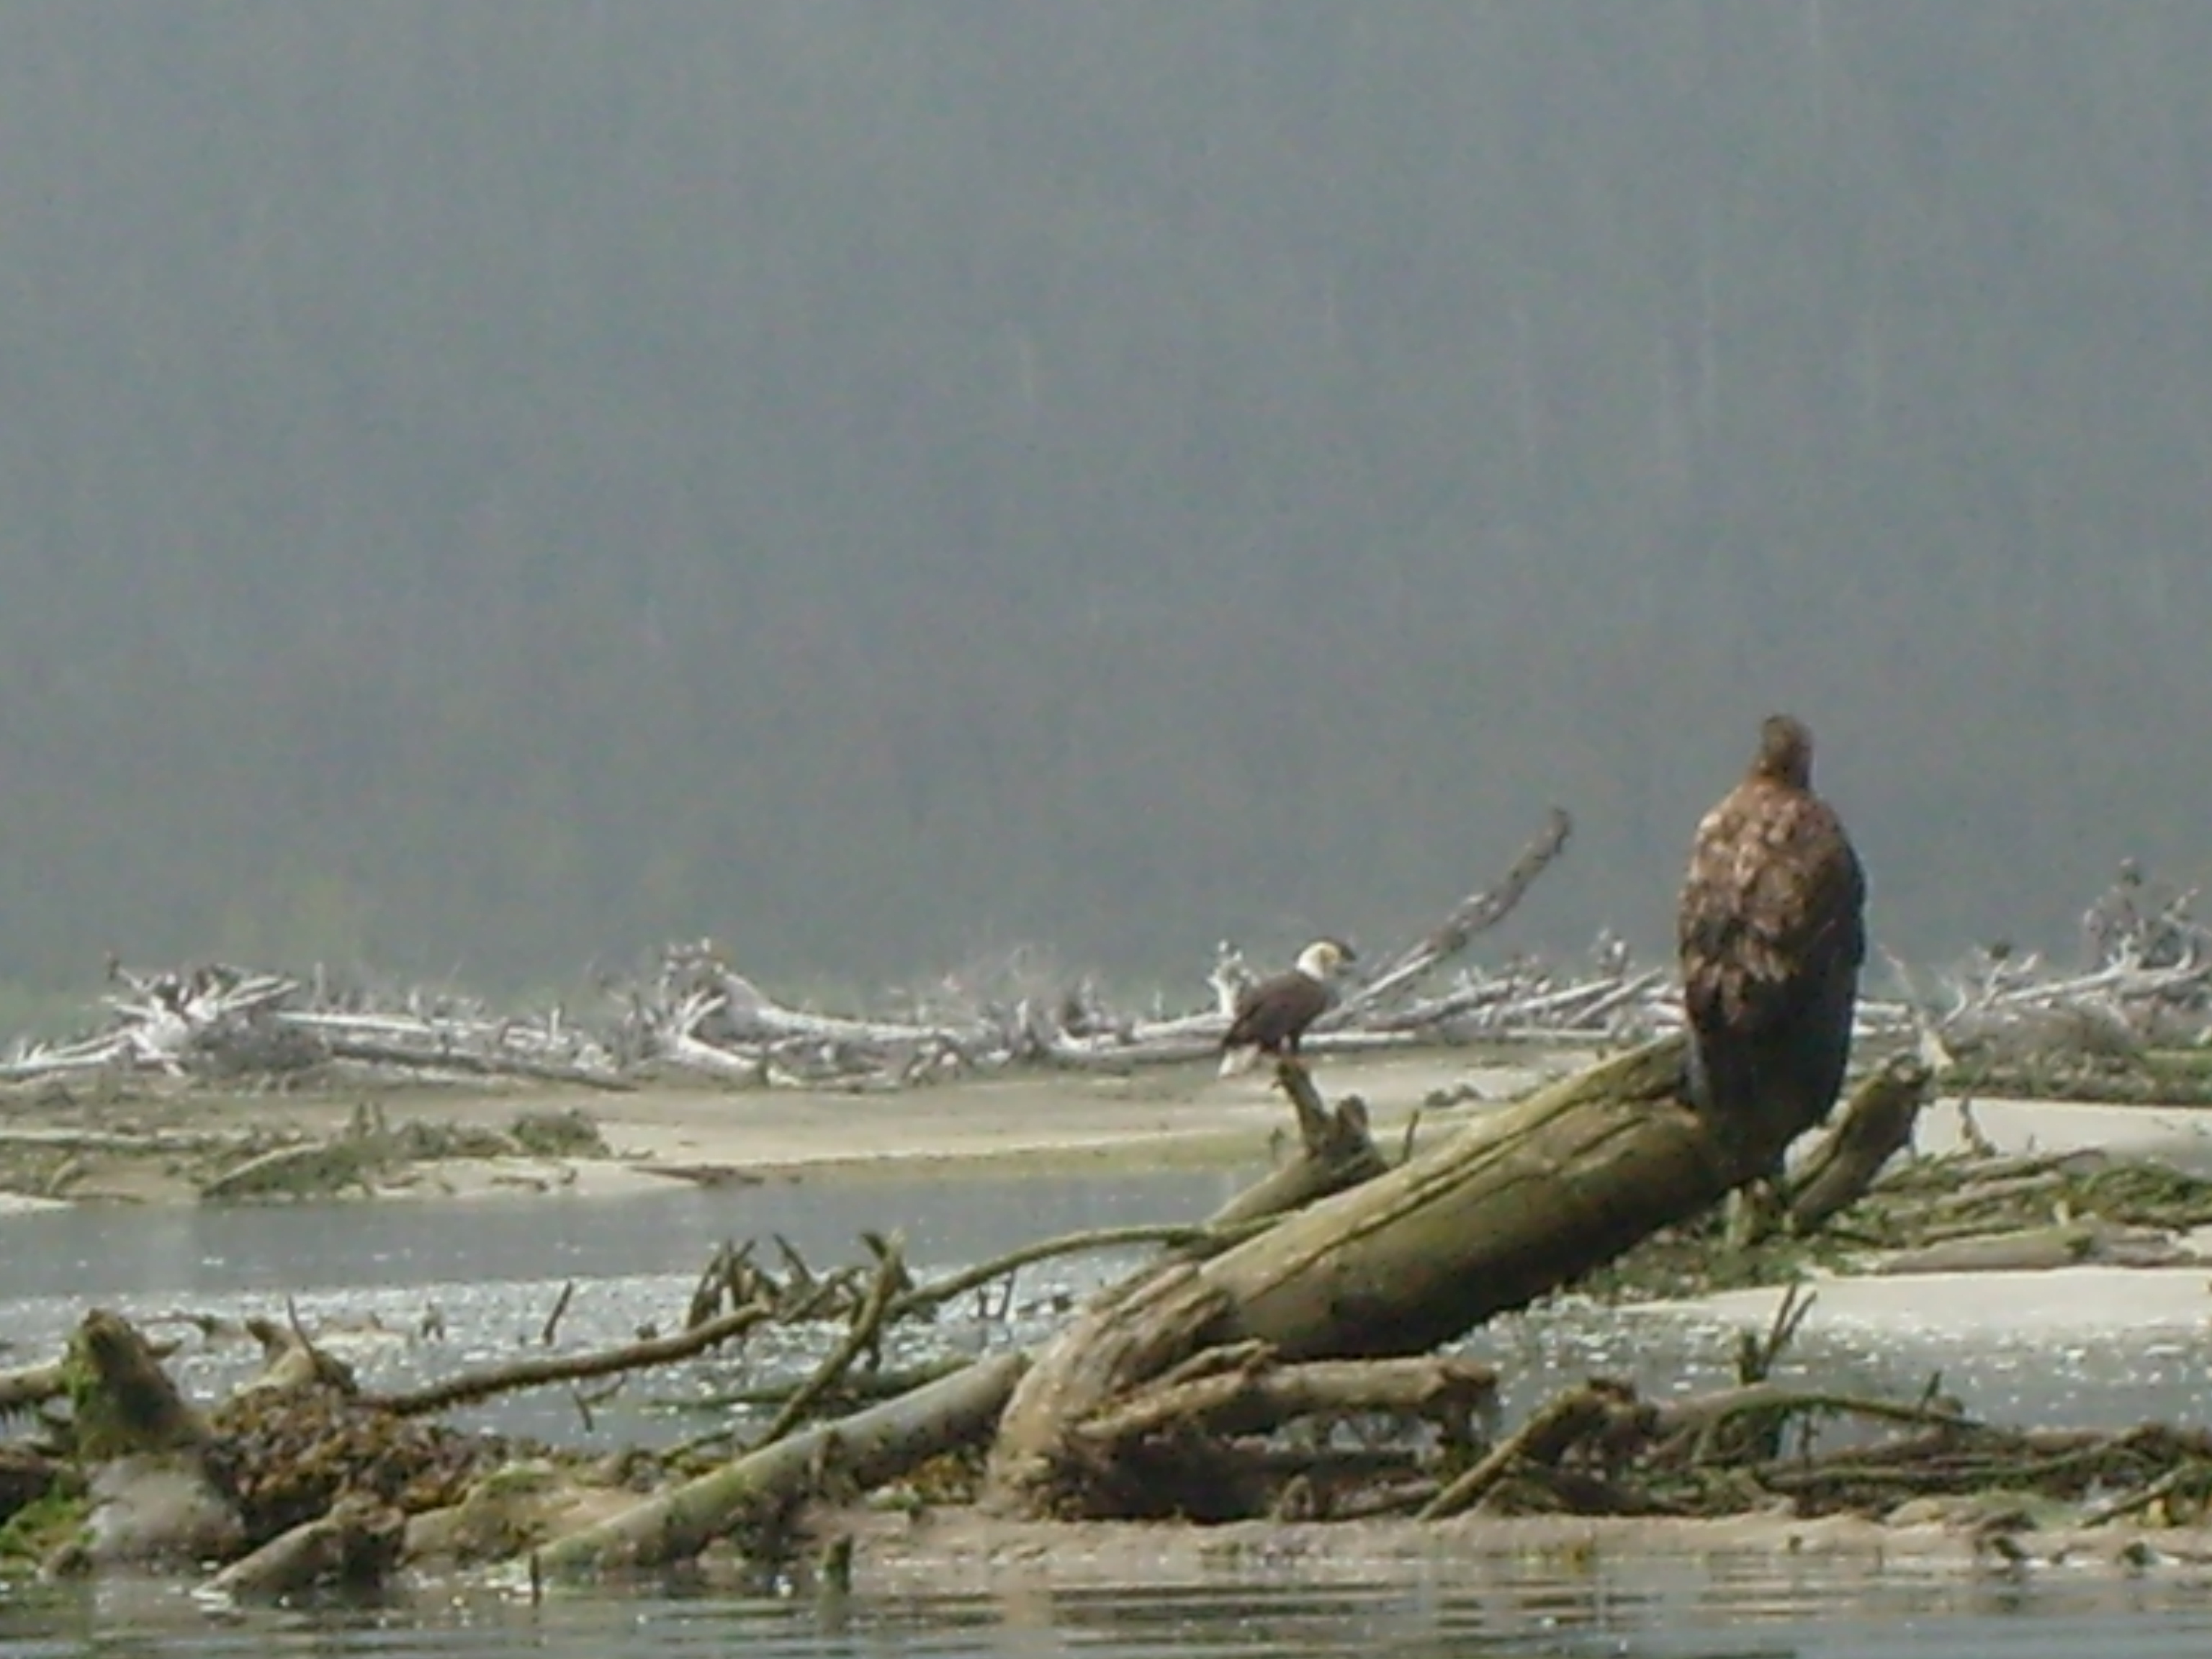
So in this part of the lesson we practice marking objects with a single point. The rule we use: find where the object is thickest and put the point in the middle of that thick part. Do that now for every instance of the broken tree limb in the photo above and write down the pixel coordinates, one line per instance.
(1590, 1410)
(1205, 1238)
(1335, 1151)
(866, 1335)
(1258, 1393)
(1474, 914)
(540, 1370)
(1519, 1202)
(755, 1490)
(1873, 1127)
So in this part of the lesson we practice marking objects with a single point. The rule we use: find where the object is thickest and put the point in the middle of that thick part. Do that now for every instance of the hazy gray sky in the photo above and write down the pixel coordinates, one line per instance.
(502, 484)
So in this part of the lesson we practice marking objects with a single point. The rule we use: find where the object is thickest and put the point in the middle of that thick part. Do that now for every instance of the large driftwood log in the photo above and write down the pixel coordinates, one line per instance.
(875, 1445)
(758, 1489)
(1518, 1203)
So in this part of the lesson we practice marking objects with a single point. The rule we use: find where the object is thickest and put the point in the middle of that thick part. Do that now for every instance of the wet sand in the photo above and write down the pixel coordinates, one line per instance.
(142, 1149)
(1165, 1117)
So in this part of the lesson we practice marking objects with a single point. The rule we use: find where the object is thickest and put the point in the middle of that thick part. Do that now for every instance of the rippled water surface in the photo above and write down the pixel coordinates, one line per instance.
(1666, 1610)
(493, 1271)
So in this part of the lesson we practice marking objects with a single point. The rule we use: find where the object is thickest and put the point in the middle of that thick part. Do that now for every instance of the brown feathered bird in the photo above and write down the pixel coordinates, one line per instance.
(1271, 1016)
(1772, 932)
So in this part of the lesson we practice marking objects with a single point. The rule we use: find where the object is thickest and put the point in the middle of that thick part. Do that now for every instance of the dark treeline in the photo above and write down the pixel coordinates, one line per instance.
(498, 484)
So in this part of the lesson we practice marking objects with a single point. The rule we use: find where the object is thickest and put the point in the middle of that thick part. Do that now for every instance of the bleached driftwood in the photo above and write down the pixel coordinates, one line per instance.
(219, 1022)
(1474, 914)
(695, 1014)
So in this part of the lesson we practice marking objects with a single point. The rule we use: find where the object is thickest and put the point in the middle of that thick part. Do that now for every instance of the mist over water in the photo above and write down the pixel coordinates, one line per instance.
(492, 488)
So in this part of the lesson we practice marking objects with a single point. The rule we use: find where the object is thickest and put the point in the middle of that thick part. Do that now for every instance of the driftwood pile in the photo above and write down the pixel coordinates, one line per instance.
(2000, 1016)
(1289, 1356)
(223, 1024)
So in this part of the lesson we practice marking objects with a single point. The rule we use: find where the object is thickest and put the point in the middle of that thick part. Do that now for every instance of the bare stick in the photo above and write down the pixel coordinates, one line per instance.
(1176, 1236)
(1551, 1431)
(553, 1319)
(867, 1331)
(536, 1373)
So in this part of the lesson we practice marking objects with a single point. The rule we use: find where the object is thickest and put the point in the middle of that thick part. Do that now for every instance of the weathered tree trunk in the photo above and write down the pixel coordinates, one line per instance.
(356, 1544)
(1873, 1128)
(1521, 1202)
(1335, 1151)
(876, 1444)
(755, 1490)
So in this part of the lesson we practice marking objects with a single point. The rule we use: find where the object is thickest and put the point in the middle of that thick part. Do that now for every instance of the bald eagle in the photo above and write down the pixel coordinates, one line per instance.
(1772, 932)
(1271, 1016)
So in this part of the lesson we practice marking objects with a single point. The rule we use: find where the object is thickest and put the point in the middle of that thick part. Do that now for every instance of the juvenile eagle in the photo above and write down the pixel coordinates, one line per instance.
(1271, 1016)
(1772, 930)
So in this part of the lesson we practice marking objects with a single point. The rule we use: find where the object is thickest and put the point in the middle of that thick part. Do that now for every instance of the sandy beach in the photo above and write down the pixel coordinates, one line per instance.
(155, 1147)
(149, 1148)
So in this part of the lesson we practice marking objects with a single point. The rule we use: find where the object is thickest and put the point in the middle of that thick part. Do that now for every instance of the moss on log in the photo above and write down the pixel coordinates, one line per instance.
(121, 1401)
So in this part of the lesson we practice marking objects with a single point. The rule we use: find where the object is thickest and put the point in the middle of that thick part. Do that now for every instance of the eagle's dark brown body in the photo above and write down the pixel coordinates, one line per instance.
(1772, 932)
(1271, 1016)
(1274, 1014)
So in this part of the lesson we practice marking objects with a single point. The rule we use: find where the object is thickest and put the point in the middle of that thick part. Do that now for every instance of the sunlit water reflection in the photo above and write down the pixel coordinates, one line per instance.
(494, 1270)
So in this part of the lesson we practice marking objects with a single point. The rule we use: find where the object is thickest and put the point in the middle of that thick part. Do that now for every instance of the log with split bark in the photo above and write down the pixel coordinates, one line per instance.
(1162, 1396)
(1523, 1200)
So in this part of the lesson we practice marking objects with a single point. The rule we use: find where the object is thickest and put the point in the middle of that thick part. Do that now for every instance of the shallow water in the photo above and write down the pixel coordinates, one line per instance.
(1661, 1610)
(493, 1271)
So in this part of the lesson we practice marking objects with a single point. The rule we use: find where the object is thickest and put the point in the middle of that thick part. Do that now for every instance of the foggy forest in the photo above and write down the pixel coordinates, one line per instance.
(491, 488)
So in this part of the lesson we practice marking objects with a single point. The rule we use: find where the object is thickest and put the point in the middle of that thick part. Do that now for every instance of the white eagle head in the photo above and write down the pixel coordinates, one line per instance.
(1325, 958)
